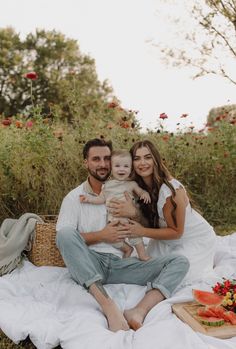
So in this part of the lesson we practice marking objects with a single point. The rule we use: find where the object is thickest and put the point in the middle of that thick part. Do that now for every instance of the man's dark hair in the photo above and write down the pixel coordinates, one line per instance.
(96, 142)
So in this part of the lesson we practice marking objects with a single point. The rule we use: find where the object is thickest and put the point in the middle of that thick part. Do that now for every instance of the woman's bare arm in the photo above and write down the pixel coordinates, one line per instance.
(172, 231)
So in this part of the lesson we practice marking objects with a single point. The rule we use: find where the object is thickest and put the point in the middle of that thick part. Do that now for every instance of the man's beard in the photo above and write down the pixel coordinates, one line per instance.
(95, 175)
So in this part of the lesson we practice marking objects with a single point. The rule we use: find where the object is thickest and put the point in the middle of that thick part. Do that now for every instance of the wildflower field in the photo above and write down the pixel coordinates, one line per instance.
(40, 161)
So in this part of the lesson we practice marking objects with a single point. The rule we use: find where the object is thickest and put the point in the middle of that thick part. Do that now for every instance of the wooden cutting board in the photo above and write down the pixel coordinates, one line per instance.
(187, 312)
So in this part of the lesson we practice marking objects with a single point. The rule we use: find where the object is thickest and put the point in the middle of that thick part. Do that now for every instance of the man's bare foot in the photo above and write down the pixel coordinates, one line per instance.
(134, 318)
(115, 318)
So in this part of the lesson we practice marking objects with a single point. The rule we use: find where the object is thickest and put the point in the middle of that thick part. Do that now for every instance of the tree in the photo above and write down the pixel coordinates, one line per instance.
(204, 38)
(60, 67)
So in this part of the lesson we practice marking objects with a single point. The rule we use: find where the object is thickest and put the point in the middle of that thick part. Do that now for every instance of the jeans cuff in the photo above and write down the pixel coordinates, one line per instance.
(89, 282)
(166, 293)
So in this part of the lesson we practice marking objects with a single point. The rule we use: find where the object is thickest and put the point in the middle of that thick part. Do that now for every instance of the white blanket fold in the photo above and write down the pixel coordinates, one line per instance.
(46, 304)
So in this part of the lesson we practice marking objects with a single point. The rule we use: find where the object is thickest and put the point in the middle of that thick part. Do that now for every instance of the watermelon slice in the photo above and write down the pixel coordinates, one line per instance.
(207, 298)
(230, 316)
(212, 321)
(206, 312)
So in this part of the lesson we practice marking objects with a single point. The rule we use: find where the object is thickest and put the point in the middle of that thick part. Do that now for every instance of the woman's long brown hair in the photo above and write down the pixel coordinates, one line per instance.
(160, 175)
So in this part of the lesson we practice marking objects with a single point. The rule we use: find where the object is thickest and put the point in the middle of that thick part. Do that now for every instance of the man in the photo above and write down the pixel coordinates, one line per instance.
(84, 240)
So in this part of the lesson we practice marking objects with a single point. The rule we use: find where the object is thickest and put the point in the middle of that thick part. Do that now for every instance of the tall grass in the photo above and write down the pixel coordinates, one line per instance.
(40, 164)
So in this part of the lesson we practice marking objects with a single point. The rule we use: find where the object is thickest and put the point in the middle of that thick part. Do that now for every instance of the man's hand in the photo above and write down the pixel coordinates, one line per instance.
(113, 232)
(119, 208)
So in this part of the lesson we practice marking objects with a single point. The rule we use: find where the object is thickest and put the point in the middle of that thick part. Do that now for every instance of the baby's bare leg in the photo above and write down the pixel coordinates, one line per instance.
(142, 254)
(127, 250)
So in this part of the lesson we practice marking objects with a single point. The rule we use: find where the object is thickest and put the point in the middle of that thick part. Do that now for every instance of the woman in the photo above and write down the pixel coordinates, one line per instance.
(174, 225)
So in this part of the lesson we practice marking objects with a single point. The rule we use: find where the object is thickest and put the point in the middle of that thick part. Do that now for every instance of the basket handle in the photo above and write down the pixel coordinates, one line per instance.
(49, 218)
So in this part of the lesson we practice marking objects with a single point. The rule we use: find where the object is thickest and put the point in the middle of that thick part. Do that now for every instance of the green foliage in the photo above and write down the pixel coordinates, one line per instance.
(41, 163)
(206, 164)
(60, 67)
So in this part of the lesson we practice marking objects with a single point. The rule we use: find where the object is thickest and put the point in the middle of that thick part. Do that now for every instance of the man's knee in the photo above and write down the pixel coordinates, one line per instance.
(182, 262)
(66, 235)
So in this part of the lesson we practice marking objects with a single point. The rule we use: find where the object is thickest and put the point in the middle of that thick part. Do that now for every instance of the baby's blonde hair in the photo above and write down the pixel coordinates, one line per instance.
(122, 153)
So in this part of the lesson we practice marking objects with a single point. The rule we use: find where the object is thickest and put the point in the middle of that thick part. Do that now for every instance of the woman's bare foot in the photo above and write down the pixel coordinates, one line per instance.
(115, 318)
(134, 318)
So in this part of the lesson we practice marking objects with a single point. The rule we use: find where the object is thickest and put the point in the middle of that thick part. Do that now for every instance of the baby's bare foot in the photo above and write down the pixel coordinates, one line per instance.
(144, 258)
(134, 318)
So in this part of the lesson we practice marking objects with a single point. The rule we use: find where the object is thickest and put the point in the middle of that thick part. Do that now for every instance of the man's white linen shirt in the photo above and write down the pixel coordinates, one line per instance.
(84, 217)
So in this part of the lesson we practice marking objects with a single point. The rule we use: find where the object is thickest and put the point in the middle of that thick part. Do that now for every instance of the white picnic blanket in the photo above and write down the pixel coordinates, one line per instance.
(46, 304)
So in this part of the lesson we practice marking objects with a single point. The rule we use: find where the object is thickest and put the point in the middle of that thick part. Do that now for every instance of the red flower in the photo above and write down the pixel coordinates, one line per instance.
(18, 124)
(6, 122)
(227, 283)
(112, 105)
(184, 115)
(124, 124)
(163, 116)
(31, 75)
(217, 287)
(165, 138)
(211, 129)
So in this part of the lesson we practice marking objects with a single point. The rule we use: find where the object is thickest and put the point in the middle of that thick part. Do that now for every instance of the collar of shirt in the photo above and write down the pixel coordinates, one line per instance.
(88, 189)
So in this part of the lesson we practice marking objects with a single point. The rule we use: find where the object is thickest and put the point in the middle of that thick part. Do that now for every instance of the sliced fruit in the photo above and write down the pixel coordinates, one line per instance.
(207, 298)
(206, 312)
(212, 321)
(217, 310)
(230, 316)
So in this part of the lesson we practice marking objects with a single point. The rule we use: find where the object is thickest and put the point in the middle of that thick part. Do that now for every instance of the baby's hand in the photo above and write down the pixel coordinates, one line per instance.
(145, 197)
(83, 198)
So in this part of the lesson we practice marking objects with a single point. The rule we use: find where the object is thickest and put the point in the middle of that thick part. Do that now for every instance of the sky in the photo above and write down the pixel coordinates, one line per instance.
(117, 34)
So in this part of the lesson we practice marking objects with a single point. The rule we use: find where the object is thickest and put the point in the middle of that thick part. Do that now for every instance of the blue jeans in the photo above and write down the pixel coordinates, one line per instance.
(87, 266)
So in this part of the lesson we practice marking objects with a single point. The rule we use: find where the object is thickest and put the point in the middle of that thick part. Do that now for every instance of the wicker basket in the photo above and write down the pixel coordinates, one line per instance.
(44, 251)
(7, 343)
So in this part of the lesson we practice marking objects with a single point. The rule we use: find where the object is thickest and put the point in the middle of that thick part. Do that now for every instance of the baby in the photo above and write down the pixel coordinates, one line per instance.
(121, 166)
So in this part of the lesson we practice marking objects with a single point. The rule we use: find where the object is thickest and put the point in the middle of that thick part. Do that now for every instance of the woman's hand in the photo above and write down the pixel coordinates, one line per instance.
(134, 229)
(119, 208)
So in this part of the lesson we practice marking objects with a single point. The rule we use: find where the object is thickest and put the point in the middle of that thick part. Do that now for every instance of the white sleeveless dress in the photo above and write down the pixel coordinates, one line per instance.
(197, 243)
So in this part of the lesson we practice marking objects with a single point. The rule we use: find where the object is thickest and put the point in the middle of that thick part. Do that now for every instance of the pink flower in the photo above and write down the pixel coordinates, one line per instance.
(29, 124)
(31, 75)
(163, 116)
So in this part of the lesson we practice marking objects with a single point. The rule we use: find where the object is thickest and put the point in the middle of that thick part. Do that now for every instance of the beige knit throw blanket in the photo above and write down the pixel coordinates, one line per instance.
(14, 237)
